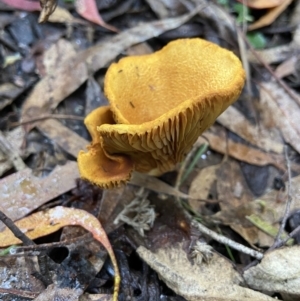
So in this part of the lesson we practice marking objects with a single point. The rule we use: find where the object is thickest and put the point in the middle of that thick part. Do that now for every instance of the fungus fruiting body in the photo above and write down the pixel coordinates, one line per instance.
(159, 104)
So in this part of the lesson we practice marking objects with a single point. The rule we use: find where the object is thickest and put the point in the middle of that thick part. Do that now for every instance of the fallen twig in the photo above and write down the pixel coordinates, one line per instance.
(226, 241)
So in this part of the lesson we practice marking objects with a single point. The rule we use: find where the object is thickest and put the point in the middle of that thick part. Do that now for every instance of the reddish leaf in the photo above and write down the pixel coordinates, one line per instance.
(88, 10)
(26, 5)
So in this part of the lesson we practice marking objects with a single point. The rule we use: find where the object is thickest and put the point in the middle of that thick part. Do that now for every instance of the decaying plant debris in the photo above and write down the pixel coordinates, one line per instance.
(223, 224)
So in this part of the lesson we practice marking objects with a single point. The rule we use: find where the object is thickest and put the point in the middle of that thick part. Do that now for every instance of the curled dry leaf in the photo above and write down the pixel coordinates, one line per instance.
(46, 222)
(278, 271)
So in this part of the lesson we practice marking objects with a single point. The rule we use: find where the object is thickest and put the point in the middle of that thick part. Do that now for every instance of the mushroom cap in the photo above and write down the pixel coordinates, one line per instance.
(160, 103)
(143, 88)
(96, 165)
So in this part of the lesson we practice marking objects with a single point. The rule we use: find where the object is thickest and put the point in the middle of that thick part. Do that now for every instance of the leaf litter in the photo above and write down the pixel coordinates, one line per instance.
(220, 190)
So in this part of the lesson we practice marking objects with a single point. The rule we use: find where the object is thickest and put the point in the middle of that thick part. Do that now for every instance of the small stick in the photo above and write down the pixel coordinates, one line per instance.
(15, 230)
(26, 241)
(226, 241)
(19, 293)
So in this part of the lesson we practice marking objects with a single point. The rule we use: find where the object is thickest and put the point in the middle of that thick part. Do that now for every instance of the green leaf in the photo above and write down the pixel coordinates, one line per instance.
(257, 40)
(243, 13)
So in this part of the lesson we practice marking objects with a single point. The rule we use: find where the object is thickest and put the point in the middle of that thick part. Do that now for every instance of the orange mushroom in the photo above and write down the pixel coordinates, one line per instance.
(159, 104)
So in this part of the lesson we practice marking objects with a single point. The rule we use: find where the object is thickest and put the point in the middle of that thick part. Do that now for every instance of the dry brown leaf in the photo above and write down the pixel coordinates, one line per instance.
(273, 203)
(61, 15)
(287, 67)
(68, 140)
(234, 191)
(261, 4)
(269, 208)
(46, 222)
(55, 56)
(64, 76)
(283, 111)
(238, 124)
(201, 186)
(278, 271)
(270, 16)
(218, 142)
(53, 292)
(22, 192)
(236, 201)
(215, 280)
(158, 8)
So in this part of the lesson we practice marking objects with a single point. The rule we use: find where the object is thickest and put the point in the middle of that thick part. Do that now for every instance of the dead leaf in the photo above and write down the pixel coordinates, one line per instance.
(88, 10)
(201, 186)
(11, 153)
(158, 8)
(283, 111)
(218, 142)
(22, 192)
(269, 210)
(53, 292)
(61, 15)
(238, 124)
(16, 138)
(273, 203)
(236, 201)
(61, 80)
(8, 92)
(68, 140)
(270, 16)
(215, 280)
(261, 4)
(287, 67)
(278, 271)
(26, 5)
